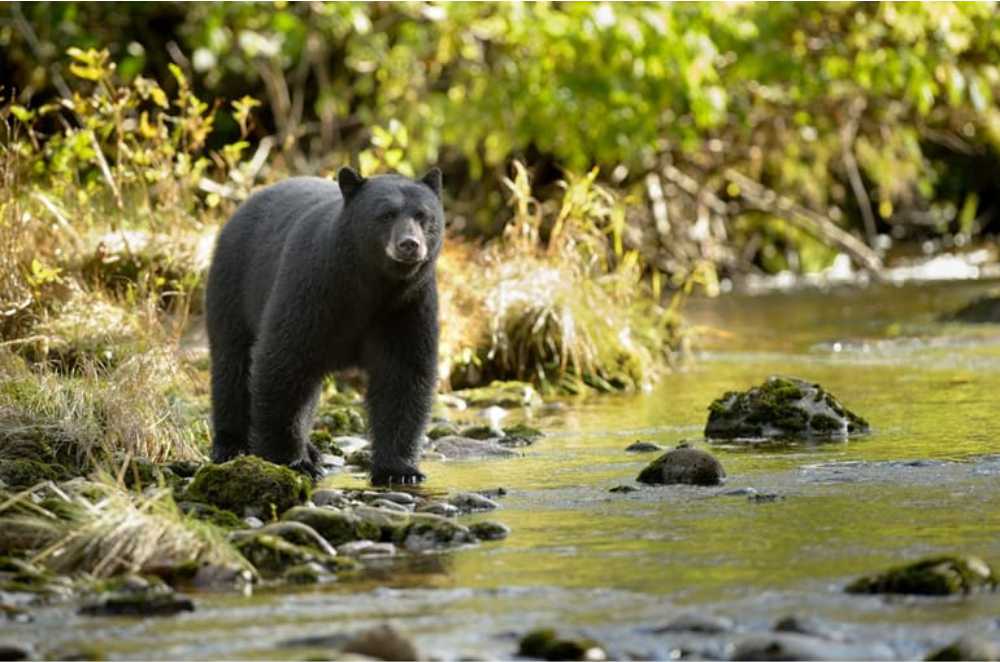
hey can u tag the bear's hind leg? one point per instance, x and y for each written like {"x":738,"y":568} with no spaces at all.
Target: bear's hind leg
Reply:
{"x":230,"y":401}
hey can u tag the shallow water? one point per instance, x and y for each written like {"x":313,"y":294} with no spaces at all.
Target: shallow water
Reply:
{"x":614,"y":566}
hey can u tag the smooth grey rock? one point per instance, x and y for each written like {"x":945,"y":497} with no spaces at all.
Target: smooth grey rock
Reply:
{"x":470,"y":502}
{"x":329,"y":498}
{"x":439,"y":508}
{"x":389,"y":505}
{"x":788,"y":646}
{"x":700,"y":623}
{"x":404,"y":498}
{"x":464,"y":448}
{"x":367,"y":548}
{"x":969,"y":647}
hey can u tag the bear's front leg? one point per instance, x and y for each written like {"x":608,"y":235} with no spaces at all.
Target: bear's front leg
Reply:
{"x":283,"y":393}
{"x":401,"y":360}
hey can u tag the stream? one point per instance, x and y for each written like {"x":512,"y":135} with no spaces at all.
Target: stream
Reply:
{"x":616,"y":566}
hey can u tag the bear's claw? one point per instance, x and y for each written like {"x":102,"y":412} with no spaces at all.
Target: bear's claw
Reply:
{"x":308,"y":467}
{"x":413,"y":477}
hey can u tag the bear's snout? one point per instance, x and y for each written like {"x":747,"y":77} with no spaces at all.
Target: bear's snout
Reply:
{"x":407,"y":243}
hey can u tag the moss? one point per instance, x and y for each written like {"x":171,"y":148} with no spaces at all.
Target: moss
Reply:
{"x":141,"y":473}
{"x":336,"y":526}
{"x":271,"y":554}
{"x":21,"y":474}
{"x":523,"y":431}
{"x":824,"y":423}
{"x":944,"y":575}
{"x":480,"y":432}
{"x":489,"y":530}
{"x":445,"y":429}
{"x":305,"y":573}
{"x":340,"y":421}
{"x":430,"y":532}
{"x":206,"y":512}
{"x":361,"y":458}
{"x":545,"y":644}
{"x":249,"y":482}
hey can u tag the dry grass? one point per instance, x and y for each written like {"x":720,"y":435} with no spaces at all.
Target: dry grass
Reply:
{"x":94,"y":527}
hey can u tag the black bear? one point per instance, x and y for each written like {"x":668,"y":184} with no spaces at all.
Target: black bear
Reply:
{"x":310,"y":277}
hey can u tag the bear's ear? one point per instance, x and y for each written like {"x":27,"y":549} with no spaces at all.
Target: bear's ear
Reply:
{"x":349,"y":181}
{"x":433,"y":180}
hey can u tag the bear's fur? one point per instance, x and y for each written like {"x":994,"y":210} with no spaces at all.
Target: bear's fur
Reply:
{"x":310,"y":277}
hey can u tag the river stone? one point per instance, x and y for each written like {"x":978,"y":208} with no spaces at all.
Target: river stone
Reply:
{"x":295,"y":532}
{"x":968,"y":647}
{"x":643,"y":447}
{"x":403,"y":498}
{"x":983,"y":310}
{"x":700,"y":623}
{"x":470,"y":502}
{"x":329,"y":498}
{"x":942,"y":575}
{"x":367,"y":548}
{"x":683,"y":465}
{"x":545,"y":644}
{"x":781,"y":408}
{"x":249,"y":485}
{"x":429,"y":532}
{"x":336,"y":526}
{"x":807,"y":626}
{"x":154,"y":601}
{"x":489,"y":530}
{"x":439,"y":508}
{"x":464,"y":448}
{"x":787,"y":646}
{"x":389,"y":505}
{"x":11,"y":651}
{"x":383,"y":642}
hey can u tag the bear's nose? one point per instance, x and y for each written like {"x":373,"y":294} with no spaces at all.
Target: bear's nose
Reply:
{"x":408,"y":247}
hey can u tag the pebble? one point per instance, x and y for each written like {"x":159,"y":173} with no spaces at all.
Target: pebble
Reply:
{"x":383,"y":642}
{"x":253,"y":522}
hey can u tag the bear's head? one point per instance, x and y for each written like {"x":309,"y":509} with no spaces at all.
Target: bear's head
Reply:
{"x":403,"y":220}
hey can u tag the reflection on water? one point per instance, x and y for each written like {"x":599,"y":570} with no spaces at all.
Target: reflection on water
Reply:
{"x":615,"y":564}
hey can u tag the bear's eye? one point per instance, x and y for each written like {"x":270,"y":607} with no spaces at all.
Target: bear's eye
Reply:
{"x":420,"y":217}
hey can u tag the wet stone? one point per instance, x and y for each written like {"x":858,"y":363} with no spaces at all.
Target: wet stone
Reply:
{"x":489,"y":530}
{"x":969,"y":647}
{"x":643,"y":447}
{"x":788,"y":646}
{"x":390,"y":505}
{"x":383,"y":642}
{"x":545,"y":644}
{"x":623,"y":489}
{"x":767,"y":497}
{"x":470,"y":502}
{"x":329,"y":498}
{"x":464,"y":448}
{"x":439,"y":508}
{"x":335,"y":526}
{"x":428,"y":533}
{"x":253,"y":522}
{"x":984,"y":310}
{"x":807,"y":626}
{"x":944,"y":575}
{"x":683,"y":465}
{"x":404,"y":498}
{"x":305,"y":573}
{"x":148,"y":602}
{"x":12,"y":651}
{"x":782,"y":408}
{"x":698,"y":623}
{"x":509,"y":395}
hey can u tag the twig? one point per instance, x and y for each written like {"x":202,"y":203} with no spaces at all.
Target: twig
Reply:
{"x":22,"y":341}
{"x":59,"y":216}
{"x":805,"y":219}
{"x":847,"y":135}
{"x":106,"y":170}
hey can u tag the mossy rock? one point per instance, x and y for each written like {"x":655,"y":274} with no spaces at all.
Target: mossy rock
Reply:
{"x":206,"y":512}
{"x":782,"y":408}
{"x":430,"y":532}
{"x":249,"y":484}
{"x":304,"y":574}
{"x":154,"y":601}
{"x":271,"y":555}
{"x":481,"y":432}
{"x":22,"y":474}
{"x":444,"y":429}
{"x":967,"y":648}
{"x":340,"y":421}
{"x":489,"y":530}
{"x":509,"y":395}
{"x":335,"y":526}
{"x":943,"y":575}
{"x":545,"y":644}
{"x":361,"y":458}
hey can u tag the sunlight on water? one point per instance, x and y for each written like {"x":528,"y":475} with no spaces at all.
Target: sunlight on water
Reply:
{"x":924,"y":482}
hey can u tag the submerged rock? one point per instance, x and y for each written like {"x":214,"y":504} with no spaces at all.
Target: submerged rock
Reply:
{"x":271,"y":555}
{"x":152,"y":601}
{"x":439,"y":508}
{"x":249,"y":485}
{"x":699,"y":623}
{"x":489,"y":530}
{"x":470,"y":502}
{"x":464,"y":448}
{"x":623,"y":489}
{"x":545,"y":644}
{"x":502,"y":394}
{"x":788,"y":646}
{"x":683,"y":465}
{"x":11,"y":651}
{"x":968,"y":647}
{"x":643,"y":447}
{"x":443,"y":429}
{"x":782,"y":407}
{"x":383,"y":642}
{"x":983,"y":310}
{"x":943,"y":575}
